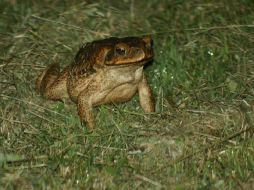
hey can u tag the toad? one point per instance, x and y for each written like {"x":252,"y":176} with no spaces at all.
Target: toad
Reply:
{"x":103,"y":71}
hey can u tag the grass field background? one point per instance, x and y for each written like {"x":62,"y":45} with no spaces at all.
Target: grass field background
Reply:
{"x":202,"y":76}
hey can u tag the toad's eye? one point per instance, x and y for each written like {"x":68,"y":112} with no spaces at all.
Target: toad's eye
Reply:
{"x":120,"y":51}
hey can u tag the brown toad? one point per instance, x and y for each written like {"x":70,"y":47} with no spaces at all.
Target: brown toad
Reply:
{"x":103,"y":71}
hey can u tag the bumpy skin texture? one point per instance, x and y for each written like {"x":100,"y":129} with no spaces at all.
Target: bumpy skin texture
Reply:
{"x":103,"y":71}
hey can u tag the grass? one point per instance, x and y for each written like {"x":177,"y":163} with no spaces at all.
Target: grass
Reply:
{"x":201,"y":136}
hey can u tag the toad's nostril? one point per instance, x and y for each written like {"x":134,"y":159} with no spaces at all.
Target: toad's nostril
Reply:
{"x":136,"y":51}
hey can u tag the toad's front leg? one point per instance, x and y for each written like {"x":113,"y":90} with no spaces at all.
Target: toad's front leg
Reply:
{"x":145,"y":96}
{"x":85,"y":108}
{"x":87,"y":99}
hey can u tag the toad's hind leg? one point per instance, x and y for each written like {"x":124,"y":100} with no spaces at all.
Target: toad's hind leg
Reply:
{"x":51,"y":83}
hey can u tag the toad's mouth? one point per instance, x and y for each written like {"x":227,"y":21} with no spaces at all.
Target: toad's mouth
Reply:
{"x":126,"y":64}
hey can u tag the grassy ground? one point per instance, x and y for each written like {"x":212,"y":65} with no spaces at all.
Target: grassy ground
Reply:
{"x":201,"y":136}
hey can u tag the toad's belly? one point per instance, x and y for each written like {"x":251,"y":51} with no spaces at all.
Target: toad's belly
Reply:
{"x":119,"y":94}
{"x":120,"y":85}
{"x":107,"y":86}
